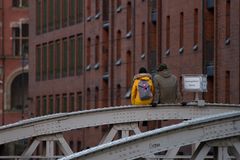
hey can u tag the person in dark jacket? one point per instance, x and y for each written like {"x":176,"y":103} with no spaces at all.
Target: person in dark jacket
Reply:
{"x":166,"y":86}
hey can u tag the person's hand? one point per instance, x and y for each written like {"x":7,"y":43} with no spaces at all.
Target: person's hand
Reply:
{"x":154,"y":104}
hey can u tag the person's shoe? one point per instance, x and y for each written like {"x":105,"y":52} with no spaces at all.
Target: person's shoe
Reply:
{"x":154,"y":104}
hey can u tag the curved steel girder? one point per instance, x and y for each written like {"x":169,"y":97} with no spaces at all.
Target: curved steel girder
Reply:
{"x":189,"y":132}
{"x":62,"y":122}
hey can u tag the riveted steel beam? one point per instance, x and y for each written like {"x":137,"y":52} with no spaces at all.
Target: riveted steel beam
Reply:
{"x":58,"y":123}
{"x":200,"y":130}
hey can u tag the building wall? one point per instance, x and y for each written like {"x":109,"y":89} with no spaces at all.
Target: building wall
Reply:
{"x":185,"y":35}
{"x":10,"y":16}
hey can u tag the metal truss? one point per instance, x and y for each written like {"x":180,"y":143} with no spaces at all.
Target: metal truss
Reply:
{"x":221,"y":131}
{"x":50,"y":128}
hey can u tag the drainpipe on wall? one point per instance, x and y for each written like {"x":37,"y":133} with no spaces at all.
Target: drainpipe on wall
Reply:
{"x":215,"y":95}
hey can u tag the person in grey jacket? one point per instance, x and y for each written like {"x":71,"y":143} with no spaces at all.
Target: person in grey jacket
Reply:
{"x":166,"y":86}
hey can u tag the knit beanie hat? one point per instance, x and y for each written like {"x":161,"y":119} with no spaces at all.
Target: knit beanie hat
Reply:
{"x":142,"y":70}
{"x":162,"y":67}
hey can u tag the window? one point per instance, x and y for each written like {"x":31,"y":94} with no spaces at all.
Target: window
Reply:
{"x":38,"y":63}
{"x":38,"y":106}
{"x":181,"y":30}
{"x":65,"y":58}
{"x":20,"y":39}
{"x":129,"y":17}
{"x":79,"y":54}
{"x":72,"y":56}
{"x":44,"y":62}
{"x":105,"y":47}
{"x":64,"y":103}
{"x":143,"y":39}
{"x":20,"y":3}
{"x":168,"y":33}
{"x":129,"y":70}
{"x":38,"y":16}
{"x":71,"y":102}
{"x":51,"y":61}
{"x":57,"y":59}
{"x":97,"y":7}
{"x":57,"y":104}
{"x":72,"y":12}
{"x":79,"y":10}
{"x":50,"y":104}
{"x":105,"y":10}
{"x":119,"y":45}
{"x":88,"y":8}
{"x":79,"y":101}
{"x":227,"y":87}
{"x":118,"y":95}
{"x":195,"y":33}
{"x":97,"y":50}
{"x":44,"y":107}
{"x":57,"y":14}
{"x":119,"y":3}
{"x":88,"y":51}
{"x":88,"y":99}
{"x":96,"y":105}
{"x":227,"y":40}
{"x":64,"y":13}
{"x":50,"y":15}
{"x":44,"y":18}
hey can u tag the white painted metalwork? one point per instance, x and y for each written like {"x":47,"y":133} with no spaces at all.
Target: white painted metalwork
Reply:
{"x":209,"y":131}
{"x":58,"y":123}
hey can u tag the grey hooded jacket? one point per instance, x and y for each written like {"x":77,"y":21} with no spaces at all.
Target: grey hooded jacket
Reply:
{"x":166,"y":88}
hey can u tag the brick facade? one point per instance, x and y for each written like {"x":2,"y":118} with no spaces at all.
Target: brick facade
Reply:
{"x":119,"y":38}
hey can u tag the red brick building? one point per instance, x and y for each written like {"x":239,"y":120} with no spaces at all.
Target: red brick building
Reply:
{"x":14,"y":20}
{"x":84,"y":53}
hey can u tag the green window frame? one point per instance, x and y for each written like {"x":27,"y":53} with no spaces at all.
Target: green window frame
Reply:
{"x":79,"y":101}
{"x":44,"y":62}
{"x":44,"y":105}
{"x":64,"y":13}
{"x":51,"y":15}
{"x":58,"y":104}
{"x":72,"y":56}
{"x":72,"y":12}
{"x":38,"y":106}
{"x":38,"y":63}
{"x":51,"y":61}
{"x":72,"y":102}
{"x":64,"y":103}
{"x":44,"y":12}
{"x":79,"y":54}
{"x":50,"y":103}
{"x":79,"y":11}
{"x":57,"y":59}
{"x":65,"y":58}
{"x":38,"y":16}
{"x":57,"y":14}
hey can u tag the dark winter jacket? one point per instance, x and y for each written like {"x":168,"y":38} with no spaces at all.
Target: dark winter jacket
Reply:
{"x":166,"y":88}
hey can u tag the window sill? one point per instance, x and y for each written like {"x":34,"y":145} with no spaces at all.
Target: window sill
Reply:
{"x":195,"y":47}
{"x":118,"y":62}
{"x":97,"y":15}
{"x":88,"y":68}
{"x":96,"y":66}
{"x":167,"y":52}
{"x":129,"y":34}
{"x":119,"y":9}
{"x":181,"y":50}
{"x":227,"y":41}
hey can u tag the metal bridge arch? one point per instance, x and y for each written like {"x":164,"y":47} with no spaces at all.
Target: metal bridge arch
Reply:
{"x":50,"y":127}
